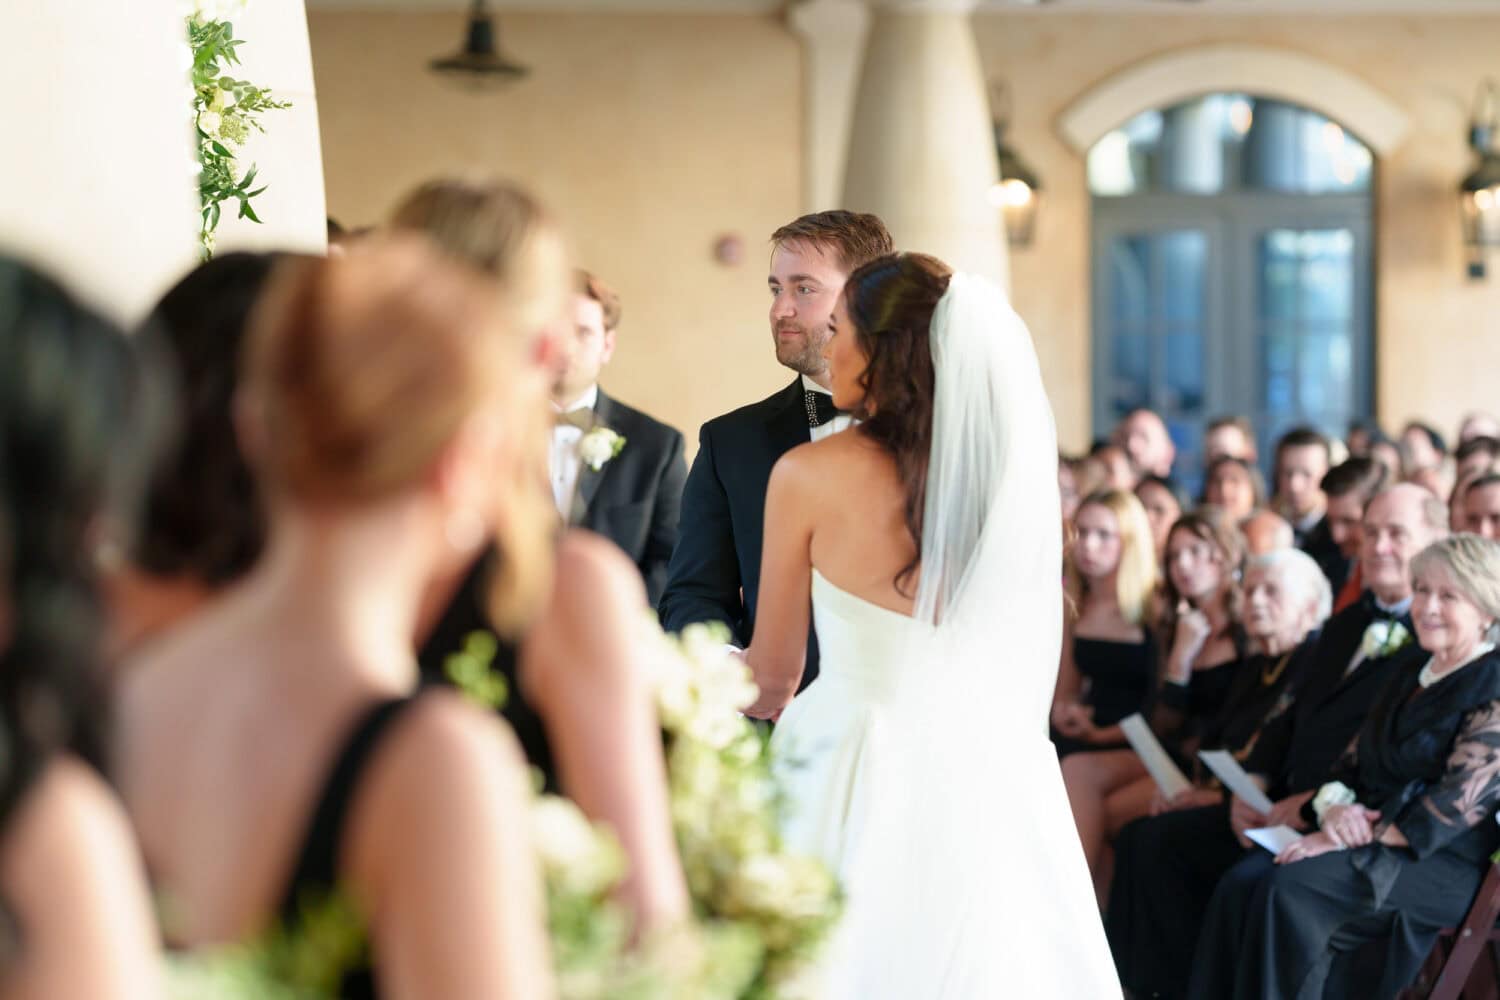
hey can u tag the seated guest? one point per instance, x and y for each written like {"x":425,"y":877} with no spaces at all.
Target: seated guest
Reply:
{"x":202,"y":527}
{"x":1229,"y":437}
{"x":1204,"y":645}
{"x":387,"y":413}
{"x":1360,"y":438}
{"x":1144,"y":438}
{"x":578,"y":694}
{"x":1164,"y":504}
{"x":1067,"y":488}
{"x":1302,"y":460}
{"x":1119,"y":472}
{"x":1387,"y":453}
{"x":1406,"y":819}
{"x":1168,"y":876}
{"x":1476,"y":455}
{"x":1234,"y":486}
{"x":1266,"y":531}
{"x":1108,"y":657}
{"x":632,"y":499}
{"x":1478,"y":424}
{"x":1347,"y":488}
{"x":1422,"y":447}
{"x":1481,"y":504}
{"x":77,"y":914}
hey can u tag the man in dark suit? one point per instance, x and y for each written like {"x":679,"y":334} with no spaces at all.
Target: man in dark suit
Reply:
{"x":715,"y":572}
{"x":615,"y":470}
{"x":1167,"y":867}
{"x":1302,"y":460}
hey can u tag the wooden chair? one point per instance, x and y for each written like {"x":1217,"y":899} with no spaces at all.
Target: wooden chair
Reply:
{"x":1454,"y":969}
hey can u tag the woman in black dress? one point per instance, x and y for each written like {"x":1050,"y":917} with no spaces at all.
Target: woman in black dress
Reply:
{"x":1109,"y":659}
{"x":271,"y":750}
{"x":75,"y":915}
{"x":1407,"y":823}
{"x":579,"y":699}
{"x":1205,"y":646}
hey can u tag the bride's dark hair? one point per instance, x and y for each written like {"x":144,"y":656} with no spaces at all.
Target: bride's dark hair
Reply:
{"x":890,"y":301}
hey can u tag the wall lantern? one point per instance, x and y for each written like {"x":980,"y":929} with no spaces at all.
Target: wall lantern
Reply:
{"x":1479,"y":193}
{"x":1018,"y":193}
{"x":478,"y":63}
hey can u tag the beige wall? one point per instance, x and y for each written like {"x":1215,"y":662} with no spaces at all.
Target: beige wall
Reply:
{"x":1438,"y":335}
{"x":654,"y":134}
{"x":651,"y":135}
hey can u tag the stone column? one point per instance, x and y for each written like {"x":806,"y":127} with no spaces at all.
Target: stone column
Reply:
{"x":96,"y":161}
{"x":921,"y":146}
{"x":833,"y":44}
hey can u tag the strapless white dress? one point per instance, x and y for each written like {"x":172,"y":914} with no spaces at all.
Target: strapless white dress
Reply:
{"x":943,"y":812}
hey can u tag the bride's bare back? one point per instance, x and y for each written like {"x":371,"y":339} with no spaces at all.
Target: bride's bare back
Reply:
{"x":837,"y":506}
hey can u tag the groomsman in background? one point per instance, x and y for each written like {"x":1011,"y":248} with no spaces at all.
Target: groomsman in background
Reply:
{"x":715,"y":573}
{"x":615,"y":470}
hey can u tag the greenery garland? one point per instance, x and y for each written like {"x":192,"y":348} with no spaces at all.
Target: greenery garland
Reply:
{"x":225,"y":110}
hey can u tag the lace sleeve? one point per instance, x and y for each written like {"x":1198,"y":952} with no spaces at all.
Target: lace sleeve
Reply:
{"x":1469,"y":789}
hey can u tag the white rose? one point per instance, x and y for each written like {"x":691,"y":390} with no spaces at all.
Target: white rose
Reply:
{"x":598,"y":446}
{"x":209,"y":121}
{"x":574,"y":854}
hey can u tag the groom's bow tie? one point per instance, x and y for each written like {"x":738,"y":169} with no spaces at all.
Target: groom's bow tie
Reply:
{"x":820,"y":408}
{"x":582,"y":418}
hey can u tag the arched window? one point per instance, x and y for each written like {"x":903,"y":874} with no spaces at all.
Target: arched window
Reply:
{"x":1231,"y":270}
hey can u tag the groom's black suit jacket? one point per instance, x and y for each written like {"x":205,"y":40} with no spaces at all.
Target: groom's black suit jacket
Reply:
{"x":715,"y":571}
{"x":634,"y":499}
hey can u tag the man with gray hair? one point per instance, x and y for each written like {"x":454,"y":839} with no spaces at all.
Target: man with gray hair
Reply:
{"x":1174,"y":873}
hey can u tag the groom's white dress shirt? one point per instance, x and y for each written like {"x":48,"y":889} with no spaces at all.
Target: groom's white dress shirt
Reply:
{"x":564,"y":464}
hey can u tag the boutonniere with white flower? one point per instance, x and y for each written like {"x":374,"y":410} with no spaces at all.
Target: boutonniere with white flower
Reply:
{"x":598,"y":446}
{"x":1383,"y":638}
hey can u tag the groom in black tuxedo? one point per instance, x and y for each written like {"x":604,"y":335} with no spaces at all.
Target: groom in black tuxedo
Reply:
{"x":715,"y":571}
{"x":615,"y":470}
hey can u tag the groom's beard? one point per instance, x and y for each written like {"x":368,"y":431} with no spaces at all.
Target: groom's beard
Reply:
{"x":798,"y":350}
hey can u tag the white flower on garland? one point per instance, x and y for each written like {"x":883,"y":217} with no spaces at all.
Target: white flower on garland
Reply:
{"x":212,"y":10}
{"x":209,"y":121}
{"x":1383,"y":638}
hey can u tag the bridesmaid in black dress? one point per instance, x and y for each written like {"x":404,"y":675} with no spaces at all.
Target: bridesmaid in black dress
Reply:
{"x":1407,"y":820}
{"x":1109,"y":658}
{"x":272,"y":751}
{"x":579,"y":693}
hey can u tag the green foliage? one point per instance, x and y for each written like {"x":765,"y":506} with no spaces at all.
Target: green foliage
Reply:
{"x":471,"y":671}
{"x":225,"y":110}
{"x":308,"y":964}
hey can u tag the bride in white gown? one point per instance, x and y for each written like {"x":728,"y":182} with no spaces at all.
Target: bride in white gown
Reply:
{"x":926,"y":544}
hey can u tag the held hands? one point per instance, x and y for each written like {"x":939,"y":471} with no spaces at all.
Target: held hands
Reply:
{"x":1351,"y":825}
{"x":1309,"y":846}
{"x":1286,"y":812}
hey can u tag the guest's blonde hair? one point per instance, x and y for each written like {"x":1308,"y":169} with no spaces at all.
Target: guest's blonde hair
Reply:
{"x":500,"y":230}
{"x":1137,"y":576}
{"x":1474,"y":565}
{"x":362,"y":368}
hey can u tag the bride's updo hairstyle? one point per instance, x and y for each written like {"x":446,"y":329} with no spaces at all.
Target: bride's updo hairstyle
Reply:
{"x":362,"y":368}
{"x":890,"y":302}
